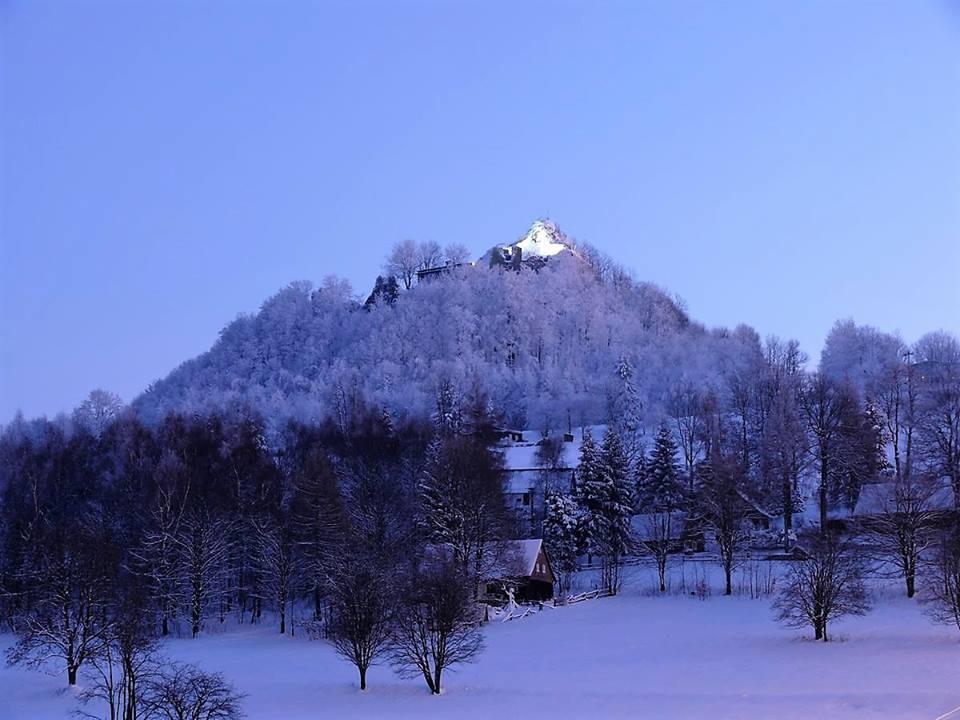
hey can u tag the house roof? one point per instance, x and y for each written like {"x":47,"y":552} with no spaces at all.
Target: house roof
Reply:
{"x":642,"y":525}
{"x":527,"y":552}
{"x":877,"y":498}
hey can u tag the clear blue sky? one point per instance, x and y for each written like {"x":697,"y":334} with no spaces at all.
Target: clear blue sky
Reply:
{"x":167,"y":165}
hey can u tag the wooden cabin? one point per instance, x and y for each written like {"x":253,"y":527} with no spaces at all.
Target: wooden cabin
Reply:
{"x":526,"y":569}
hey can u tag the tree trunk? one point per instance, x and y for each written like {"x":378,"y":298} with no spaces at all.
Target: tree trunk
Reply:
{"x":363,"y":678}
{"x":911,"y":583}
{"x":71,"y":675}
{"x":787,"y":512}
{"x":824,"y":471}
{"x":728,"y":573}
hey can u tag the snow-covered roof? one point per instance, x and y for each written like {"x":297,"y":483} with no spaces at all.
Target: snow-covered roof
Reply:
{"x":519,"y":482}
{"x":643,"y":524}
{"x":543,"y":239}
{"x":877,"y":498}
{"x":526,"y":553}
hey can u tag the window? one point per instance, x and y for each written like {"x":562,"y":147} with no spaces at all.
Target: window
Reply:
{"x":526,"y":498}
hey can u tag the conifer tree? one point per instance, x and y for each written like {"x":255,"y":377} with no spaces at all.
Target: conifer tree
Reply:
{"x":561,"y":536}
{"x":660,"y":487}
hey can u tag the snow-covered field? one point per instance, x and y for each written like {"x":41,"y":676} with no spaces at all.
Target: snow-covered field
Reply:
{"x":635,"y":655}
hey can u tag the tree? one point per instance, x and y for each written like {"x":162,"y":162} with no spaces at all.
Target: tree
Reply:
{"x":428,"y":255}
{"x":66,"y":618}
{"x":403,"y":262}
{"x":902,"y":528}
{"x":824,"y":407}
{"x":127,"y":658}
{"x":724,"y":510}
{"x":97,"y":411}
{"x":436,"y":624}
{"x":660,"y":486}
{"x":941,"y":591}
{"x":276,"y":563}
{"x":184,"y":692}
{"x":462,"y":501}
{"x":561,"y":536}
{"x":661,"y":495}
{"x":359,"y":629}
{"x":456,"y":253}
{"x":605,"y":493}
{"x":824,"y":586}
{"x":203,"y":546}
{"x":686,"y":406}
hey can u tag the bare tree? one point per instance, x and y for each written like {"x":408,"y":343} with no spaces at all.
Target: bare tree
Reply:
{"x":124,"y":664}
{"x":686,"y":411}
{"x":901,"y":528}
{"x":436,"y":625}
{"x":184,"y":692}
{"x":824,"y":406}
{"x":204,"y":549}
{"x":403,"y":262}
{"x":941,"y":589}
{"x":66,"y":618}
{"x":428,"y":255}
{"x":724,"y":510}
{"x":456,"y":253}
{"x":824,"y":586}
{"x":276,"y":565}
{"x":361,"y":613}
{"x":660,"y":535}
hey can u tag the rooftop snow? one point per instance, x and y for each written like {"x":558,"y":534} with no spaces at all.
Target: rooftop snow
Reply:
{"x":542,"y":239}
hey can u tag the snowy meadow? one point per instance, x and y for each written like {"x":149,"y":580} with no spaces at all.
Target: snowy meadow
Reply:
{"x":681,"y":655}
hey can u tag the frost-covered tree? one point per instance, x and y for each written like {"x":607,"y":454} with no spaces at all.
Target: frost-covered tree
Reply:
{"x":97,"y":411}
{"x":561,"y":536}
{"x":403,"y":262}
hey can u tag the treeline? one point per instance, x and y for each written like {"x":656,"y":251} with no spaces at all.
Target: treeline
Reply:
{"x":115,"y":538}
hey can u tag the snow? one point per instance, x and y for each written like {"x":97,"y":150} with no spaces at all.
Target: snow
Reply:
{"x":527,"y":553}
{"x":542,"y":239}
{"x":876,"y":498}
{"x":635,"y":655}
{"x":523,"y":455}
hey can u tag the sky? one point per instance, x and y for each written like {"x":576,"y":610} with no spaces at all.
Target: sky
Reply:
{"x":165,"y":166}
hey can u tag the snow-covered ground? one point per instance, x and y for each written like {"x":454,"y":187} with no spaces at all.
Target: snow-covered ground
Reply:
{"x":636,"y":655}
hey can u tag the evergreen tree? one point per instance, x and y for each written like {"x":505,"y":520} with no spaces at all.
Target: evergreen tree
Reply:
{"x":561,"y":536}
{"x":605,"y":496}
{"x":660,"y":487}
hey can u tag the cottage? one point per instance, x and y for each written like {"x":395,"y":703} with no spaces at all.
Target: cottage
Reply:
{"x":525,"y":567}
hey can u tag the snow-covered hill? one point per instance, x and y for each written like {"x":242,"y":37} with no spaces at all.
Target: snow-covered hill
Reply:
{"x":538,"y":341}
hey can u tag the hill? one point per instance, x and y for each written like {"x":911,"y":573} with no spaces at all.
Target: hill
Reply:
{"x":539,"y":333}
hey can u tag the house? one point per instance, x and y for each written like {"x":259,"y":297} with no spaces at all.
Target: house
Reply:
{"x":430,"y":273}
{"x":525,"y":568}
{"x":677,"y":529}
{"x":876,"y":499}
{"x":529,"y":477}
